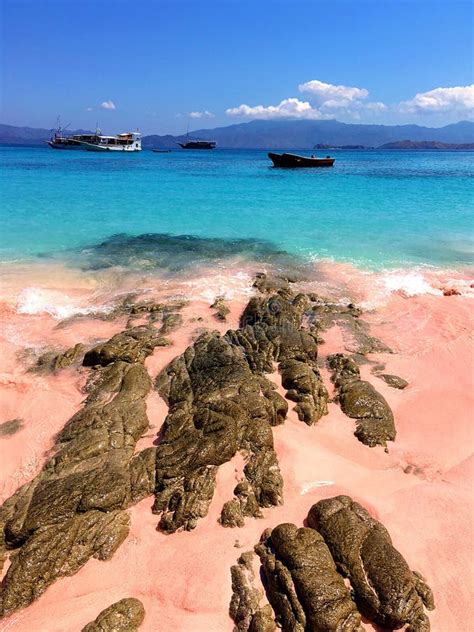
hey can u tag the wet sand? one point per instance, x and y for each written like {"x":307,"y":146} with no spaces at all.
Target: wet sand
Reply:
{"x":421,"y":489}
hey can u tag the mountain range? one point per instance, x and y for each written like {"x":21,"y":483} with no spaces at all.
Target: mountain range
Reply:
{"x":281,"y":134}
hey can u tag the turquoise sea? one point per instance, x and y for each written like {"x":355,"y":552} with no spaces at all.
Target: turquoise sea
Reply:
{"x":374,"y":209}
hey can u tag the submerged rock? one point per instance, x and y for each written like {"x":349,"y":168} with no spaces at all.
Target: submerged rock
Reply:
{"x":304,"y":588}
{"x":125,"y":615}
{"x":386,"y":590}
{"x":361,"y":401}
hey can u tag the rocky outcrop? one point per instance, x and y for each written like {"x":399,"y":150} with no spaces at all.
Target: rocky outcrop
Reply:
{"x":131,"y":345}
{"x":217,"y":407}
{"x":359,"y":400}
{"x":393,"y":380}
{"x":245,"y":609}
{"x":10,"y":427}
{"x":125,"y":615}
{"x":357,"y":338}
{"x":221,"y":309}
{"x":271,"y":331}
{"x":386,"y":590}
{"x":74,"y":509}
{"x":304,"y":588}
{"x":220,"y":403}
{"x":51,"y":361}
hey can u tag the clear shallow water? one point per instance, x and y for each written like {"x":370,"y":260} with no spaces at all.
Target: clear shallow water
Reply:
{"x":374,"y":209}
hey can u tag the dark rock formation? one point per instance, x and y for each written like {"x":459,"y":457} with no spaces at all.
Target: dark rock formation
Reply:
{"x":393,"y":380}
{"x":244,"y":505}
{"x":220,"y":403}
{"x":356,"y":331}
{"x":360,"y":401}
{"x":386,"y":590}
{"x":221,"y":310}
{"x":125,"y":615}
{"x":131,"y":345}
{"x":245,"y":608}
{"x":10,"y":427}
{"x":217,"y":407}
{"x":268,"y":284}
{"x":303,"y":585}
{"x":52,"y":361}
{"x":74,"y":509}
{"x":271,"y":331}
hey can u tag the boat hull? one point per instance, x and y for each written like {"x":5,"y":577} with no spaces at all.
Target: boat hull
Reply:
{"x":64,"y":145}
{"x":198,"y":145}
{"x":102,"y":148}
{"x":293,"y":161}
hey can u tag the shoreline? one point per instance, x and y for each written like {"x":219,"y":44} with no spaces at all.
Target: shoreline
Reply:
{"x":424,"y":479}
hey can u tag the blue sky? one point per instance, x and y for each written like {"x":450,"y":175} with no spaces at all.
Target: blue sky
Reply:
{"x":163,"y":64}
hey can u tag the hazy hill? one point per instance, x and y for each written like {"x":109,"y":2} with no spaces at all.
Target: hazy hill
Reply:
{"x":307,"y":134}
{"x":283,"y":134}
{"x":10,"y":134}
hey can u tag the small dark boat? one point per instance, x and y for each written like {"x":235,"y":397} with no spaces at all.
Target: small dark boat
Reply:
{"x":161,"y":151}
{"x":291,"y":161}
{"x":198,"y":144}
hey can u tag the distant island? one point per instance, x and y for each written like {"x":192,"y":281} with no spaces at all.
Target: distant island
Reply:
{"x":426,"y":144}
{"x":290,"y":134}
{"x":319,"y":146}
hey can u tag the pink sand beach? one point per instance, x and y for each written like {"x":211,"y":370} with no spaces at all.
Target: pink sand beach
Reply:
{"x":421,"y":489}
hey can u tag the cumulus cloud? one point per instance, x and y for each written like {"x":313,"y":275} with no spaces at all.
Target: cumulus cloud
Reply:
{"x":325,"y":100}
{"x":200,"y":115}
{"x":328,"y":92}
{"x":288,"y":108}
{"x":457,"y":99}
{"x":376,"y":106}
{"x":108,"y":105}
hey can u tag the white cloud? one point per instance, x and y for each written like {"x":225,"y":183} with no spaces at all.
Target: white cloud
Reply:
{"x":288,"y":108}
{"x":376,"y":106}
{"x":457,"y":99}
{"x":198,"y":115}
{"x":328,"y":92}
{"x":108,"y":105}
{"x":348,"y":100}
{"x":325,"y":100}
{"x":89,"y":109}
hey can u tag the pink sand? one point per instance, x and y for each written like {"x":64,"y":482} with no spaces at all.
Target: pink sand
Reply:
{"x":184,"y":579}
